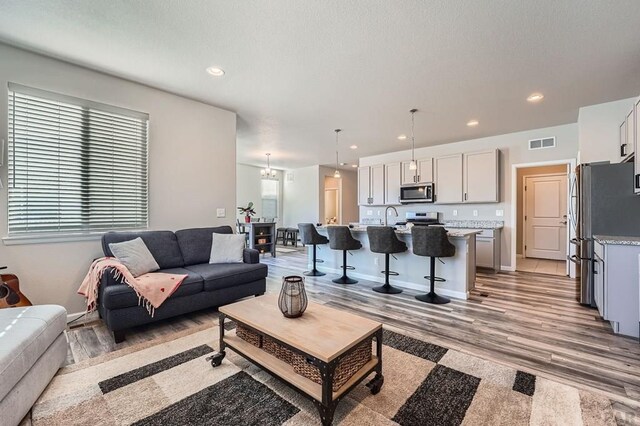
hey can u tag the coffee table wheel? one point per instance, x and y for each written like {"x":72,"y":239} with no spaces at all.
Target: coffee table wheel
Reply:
{"x":216,"y":359}
{"x":376,"y":384}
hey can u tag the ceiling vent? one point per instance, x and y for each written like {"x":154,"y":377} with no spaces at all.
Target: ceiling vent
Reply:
{"x":542,"y":143}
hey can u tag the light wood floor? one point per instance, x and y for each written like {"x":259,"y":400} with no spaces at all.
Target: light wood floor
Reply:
{"x":527,"y":321}
{"x":542,"y":266}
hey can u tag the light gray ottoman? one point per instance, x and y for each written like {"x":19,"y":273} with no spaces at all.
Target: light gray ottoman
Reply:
{"x":33,"y":346}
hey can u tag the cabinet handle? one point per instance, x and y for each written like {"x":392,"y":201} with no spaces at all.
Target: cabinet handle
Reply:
{"x":623,"y":150}
{"x":465,"y":196}
{"x":418,"y":178}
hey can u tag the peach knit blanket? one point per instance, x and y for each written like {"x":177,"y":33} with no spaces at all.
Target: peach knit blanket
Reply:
{"x":152,"y":289}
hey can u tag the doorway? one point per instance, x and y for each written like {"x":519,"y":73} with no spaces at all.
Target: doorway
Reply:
{"x":542,"y":228}
{"x":332,"y":204}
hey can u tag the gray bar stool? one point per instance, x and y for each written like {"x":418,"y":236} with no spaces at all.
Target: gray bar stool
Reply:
{"x":432,"y":241}
{"x":309,"y":236}
{"x":340,"y":238}
{"x":383,"y":239}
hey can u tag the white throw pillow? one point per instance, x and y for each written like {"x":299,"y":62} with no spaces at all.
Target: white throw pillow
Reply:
{"x":135,"y":255}
{"x":227,"y":248}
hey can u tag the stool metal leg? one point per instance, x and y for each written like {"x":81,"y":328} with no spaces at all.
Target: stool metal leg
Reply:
{"x":432,"y":297}
{"x":344,"y":279}
{"x":387,"y":288}
{"x":314,"y":272}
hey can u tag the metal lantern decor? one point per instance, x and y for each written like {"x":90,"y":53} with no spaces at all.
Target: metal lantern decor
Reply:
{"x":293,"y":298}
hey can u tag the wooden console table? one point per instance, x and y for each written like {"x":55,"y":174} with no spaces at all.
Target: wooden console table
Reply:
{"x":262,"y":236}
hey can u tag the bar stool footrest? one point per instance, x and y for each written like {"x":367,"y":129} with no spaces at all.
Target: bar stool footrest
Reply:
{"x":436,"y":279}
{"x":392,"y":273}
{"x":349,"y":268}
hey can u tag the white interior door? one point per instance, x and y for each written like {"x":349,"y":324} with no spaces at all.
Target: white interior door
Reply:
{"x":546,"y":217}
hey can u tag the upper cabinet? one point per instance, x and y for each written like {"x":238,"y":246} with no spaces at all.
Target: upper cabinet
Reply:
{"x":392,"y":178}
{"x":627,"y":135}
{"x":371,"y":185}
{"x":448,"y":181}
{"x":423,"y":173}
{"x":467,"y":178}
{"x":636,"y":127}
{"x":481,"y":177}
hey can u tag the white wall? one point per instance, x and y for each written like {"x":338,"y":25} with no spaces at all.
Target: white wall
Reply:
{"x":249,"y":188}
{"x":301,"y":194}
{"x":599,"y":130}
{"x":514,"y":150}
{"x":192,"y":152}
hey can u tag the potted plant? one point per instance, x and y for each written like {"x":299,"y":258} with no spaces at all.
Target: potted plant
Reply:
{"x":247,"y":211}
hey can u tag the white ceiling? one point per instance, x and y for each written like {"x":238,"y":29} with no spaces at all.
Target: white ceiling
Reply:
{"x":296,"y":70}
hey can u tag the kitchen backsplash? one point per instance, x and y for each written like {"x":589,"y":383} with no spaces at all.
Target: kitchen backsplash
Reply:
{"x":465,"y":212}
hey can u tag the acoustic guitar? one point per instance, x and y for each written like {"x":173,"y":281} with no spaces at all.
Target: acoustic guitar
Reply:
{"x":10,"y":295}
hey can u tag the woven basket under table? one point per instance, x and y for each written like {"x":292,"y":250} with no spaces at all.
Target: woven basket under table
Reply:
{"x":249,"y":336}
{"x":272,"y":347}
{"x":347,"y":367}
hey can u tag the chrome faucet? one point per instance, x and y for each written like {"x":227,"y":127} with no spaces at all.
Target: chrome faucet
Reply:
{"x":386,"y":212}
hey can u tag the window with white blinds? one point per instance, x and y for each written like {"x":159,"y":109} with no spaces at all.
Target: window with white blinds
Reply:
{"x":74,"y":165}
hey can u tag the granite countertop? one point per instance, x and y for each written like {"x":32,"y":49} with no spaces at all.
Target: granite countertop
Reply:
{"x":474,"y":224}
{"x":624,"y":241}
{"x":460,"y":233}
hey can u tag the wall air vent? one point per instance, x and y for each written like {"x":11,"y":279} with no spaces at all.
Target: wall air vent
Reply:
{"x":542,"y":143}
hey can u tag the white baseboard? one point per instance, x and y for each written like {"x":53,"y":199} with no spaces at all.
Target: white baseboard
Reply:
{"x":400,"y":283}
{"x":74,"y":316}
{"x":507,"y":268}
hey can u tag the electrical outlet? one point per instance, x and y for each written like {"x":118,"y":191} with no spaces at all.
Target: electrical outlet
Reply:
{"x":375,"y":261}
{"x":369,"y":212}
{"x":475,"y":213}
{"x":379,"y":213}
{"x":221,"y":212}
{"x":500,"y":213}
{"x":455,"y":212}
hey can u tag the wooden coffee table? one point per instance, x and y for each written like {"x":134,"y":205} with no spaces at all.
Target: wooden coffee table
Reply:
{"x":323,"y":335}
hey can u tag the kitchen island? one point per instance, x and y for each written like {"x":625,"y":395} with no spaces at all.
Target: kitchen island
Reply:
{"x":459,"y":270}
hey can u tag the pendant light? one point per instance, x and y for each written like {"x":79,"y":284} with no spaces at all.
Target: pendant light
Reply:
{"x":336,"y":174}
{"x":413,"y":165}
{"x":268,"y":172}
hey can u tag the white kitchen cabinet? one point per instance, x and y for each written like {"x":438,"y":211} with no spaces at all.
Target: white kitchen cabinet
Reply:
{"x":423,"y":173}
{"x":623,"y":139}
{"x":448,"y":179}
{"x":481,"y":177}
{"x":616,"y":290}
{"x":371,"y":185}
{"x":488,"y":249}
{"x":636,"y":146}
{"x":630,"y":135}
{"x":392,"y":178}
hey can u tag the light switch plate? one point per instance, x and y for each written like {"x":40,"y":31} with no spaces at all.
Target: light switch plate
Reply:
{"x":455,"y":212}
{"x":221,"y":212}
{"x":499,"y":213}
{"x":475,"y":213}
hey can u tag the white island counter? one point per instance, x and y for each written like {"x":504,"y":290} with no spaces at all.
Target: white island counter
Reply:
{"x":459,"y":270}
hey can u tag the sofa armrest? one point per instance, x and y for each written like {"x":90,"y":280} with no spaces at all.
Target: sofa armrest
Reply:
{"x":108,"y":278}
{"x":251,"y":256}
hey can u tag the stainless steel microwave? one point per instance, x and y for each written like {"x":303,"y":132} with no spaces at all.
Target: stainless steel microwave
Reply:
{"x":422,"y":193}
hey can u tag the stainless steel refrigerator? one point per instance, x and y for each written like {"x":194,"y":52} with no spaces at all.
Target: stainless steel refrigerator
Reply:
{"x":606,"y":205}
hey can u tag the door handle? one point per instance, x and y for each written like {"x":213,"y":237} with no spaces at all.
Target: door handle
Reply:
{"x":563,"y":222}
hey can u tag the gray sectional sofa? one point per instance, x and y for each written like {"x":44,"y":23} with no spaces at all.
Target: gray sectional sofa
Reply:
{"x":184,"y":252}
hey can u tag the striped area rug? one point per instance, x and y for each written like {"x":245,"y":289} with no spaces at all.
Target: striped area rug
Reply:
{"x":168,"y":382}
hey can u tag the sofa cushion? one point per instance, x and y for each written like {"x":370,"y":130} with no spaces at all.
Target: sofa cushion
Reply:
{"x":223,"y":275}
{"x":163,"y":245}
{"x":135,"y":255}
{"x":117,"y":296}
{"x":25,"y":334}
{"x":195,"y":243}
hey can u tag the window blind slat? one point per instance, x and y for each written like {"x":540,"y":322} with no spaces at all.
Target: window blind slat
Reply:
{"x":74,"y":165}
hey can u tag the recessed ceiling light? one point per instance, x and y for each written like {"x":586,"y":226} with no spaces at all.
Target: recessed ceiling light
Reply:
{"x":354,"y":147}
{"x":354,"y":165}
{"x":535,"y":97}
{"x":472,"y":123}
{"x":402,"y":137}
{"x":215,"y":71}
